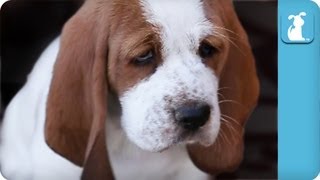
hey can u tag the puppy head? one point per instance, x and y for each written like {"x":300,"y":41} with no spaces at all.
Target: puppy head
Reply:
{"x":166,"y":73}
{"x":184,"y":73}
{"x":172,"y":64}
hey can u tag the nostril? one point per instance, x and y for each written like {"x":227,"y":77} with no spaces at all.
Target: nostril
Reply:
{"x":192,"y":117}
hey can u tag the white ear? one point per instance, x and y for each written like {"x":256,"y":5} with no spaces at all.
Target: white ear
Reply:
{"x":302,"y":14}
{"x":290,"y":17}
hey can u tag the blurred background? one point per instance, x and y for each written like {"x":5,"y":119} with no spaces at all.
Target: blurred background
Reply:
{"x":28,"y":26}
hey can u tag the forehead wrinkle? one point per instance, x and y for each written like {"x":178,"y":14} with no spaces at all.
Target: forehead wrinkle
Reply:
{"x":136,"y":42}
{"x":182,"y":23}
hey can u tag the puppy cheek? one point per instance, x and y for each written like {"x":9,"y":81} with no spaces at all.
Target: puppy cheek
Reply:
{"x":131,"y":118}
{"x":209,"y":133}
{"x":145,"y":123}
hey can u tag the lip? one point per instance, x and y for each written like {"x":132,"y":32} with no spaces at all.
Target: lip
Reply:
{"x":183,"y":138}
{"x":162,"y":150}
{"x":186,"y":137}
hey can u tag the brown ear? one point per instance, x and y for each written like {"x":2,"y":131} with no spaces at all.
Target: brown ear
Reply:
{"x":76,"y":106}
{"x":239,"y":89}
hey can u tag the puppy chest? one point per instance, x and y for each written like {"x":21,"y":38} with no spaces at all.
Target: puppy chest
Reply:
{"x":130,"y":162}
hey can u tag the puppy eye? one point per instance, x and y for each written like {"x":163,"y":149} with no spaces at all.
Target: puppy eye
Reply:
{"x":206,"y":50}
{"x":145,"y":58}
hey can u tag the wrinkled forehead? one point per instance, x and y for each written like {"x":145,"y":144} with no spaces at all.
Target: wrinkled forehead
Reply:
{"x":172,"y":29}
{"x":181,"y":23}
{"x":178,"y":23}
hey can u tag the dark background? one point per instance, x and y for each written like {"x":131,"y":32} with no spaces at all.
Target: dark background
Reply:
{"x":27,"y":27}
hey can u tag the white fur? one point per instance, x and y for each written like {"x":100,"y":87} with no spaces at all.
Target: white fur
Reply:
{"x":131,"y":162}
{"x":147,"y":116}
{"x":146,"y":120}
{"x":24,"y":154}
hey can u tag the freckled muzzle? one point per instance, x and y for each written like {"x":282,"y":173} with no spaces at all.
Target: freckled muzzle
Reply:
{"x":176,"y":104}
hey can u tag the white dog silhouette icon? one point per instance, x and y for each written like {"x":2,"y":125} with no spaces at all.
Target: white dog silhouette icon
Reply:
{"x":295,"y":30}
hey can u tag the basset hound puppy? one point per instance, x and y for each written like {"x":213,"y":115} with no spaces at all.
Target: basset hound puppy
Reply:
{"x":146,"y":89}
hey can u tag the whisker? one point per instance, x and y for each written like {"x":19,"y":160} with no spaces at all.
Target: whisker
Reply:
{"x":229,"y":39}
{"x":225,"y":138}
{"x":222,"y":95}
{"x":229,"y":125}
{"x":229,"y":101}
{"x":230,"y":118}
{"x":222,"y":88}
{"x":218,"y":141}
{"x":228,"y":30}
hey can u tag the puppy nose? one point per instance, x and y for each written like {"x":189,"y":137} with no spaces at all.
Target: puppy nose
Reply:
{"x":192,"y":117}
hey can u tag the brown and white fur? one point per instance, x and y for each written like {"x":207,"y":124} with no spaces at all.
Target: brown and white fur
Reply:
{"x":58,"y":126}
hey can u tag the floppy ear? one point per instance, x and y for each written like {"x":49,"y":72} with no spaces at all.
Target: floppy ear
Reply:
{"x":303,"y":14}
{"x":76,"y":106}
{"x":290,"y":17}
{"x":239,"y":93}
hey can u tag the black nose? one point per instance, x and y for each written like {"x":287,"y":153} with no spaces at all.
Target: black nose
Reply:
{"x":192,"y":117}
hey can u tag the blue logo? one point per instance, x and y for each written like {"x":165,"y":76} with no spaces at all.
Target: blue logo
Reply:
{"x":297,"y":27}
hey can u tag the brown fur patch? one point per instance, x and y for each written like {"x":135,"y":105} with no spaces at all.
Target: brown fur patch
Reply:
{"x":238,"y":83}
{"x":97,"y":47}
{"x":132,"y":36}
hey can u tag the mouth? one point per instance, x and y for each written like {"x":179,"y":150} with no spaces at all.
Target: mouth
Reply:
{"x":160,"y":126}
{"x":173,"y":134}
{"x":187,"y":137}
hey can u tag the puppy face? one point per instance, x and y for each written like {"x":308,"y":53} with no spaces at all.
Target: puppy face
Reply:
{"x":165,"y":58}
